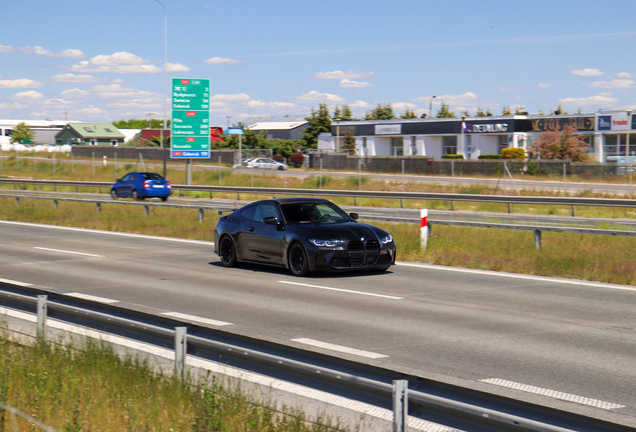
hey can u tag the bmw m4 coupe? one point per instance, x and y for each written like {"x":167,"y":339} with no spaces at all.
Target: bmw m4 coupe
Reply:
{"x":303,"y":235}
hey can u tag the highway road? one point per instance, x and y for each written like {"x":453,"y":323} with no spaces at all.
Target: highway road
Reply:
{"x":563,"y":343}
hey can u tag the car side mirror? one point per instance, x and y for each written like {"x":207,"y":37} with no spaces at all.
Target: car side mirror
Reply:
{"x":270,"y":220}
{"x":354,"y":216}
{"x":118,"y":180}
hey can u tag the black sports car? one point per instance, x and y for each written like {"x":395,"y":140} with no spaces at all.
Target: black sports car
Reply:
{"x":302,"y":234}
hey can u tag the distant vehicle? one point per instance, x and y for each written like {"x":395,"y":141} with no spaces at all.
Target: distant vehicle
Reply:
{"x":303,"y":235}
{"x":141,"y":185}
{"x":265,"y":163}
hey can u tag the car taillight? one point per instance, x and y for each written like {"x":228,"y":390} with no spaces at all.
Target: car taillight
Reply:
{"x":169,"y":186}
{"x":147,"y":184}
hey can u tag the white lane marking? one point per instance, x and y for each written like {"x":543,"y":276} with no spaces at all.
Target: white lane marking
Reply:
{"x":68,"y":252}
{"x":231,"y":372}
{"x":340,"y":348}
{"x":92,"y":298}
{"x":342,"y":290}
{"x":196,"y":318}
{"x":115,"y":233}
{"x":553,"y":394}
{"x":520,"y":276}
{"x":12,"y":282}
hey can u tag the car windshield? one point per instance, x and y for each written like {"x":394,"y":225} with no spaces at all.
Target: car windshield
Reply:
{"x":151,"y":176}
{"x":308,"y":212}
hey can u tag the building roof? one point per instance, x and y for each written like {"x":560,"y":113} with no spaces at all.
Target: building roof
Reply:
{"x":95,"y":130}
{"x":269,"y":126}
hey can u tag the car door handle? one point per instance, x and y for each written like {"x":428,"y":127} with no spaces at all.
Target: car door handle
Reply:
{"x":251,"y":229}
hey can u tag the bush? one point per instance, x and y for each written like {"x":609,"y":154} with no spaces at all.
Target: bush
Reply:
{"x":513,"y":153}
{"x":453,"y":156}
{"x":278,"y":158}
{"x":490,"y":156}
{"x":297,"y":160}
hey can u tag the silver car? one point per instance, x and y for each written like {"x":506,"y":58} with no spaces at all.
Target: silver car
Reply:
{"x":265,"y":163}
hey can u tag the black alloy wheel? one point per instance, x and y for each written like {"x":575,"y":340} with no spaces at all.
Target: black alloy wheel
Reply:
{"x":227,"y":252}
{"x":298,"y":263}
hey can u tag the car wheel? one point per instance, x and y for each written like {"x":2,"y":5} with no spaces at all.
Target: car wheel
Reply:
{"x":113,"y":194}
{"x":297,"y":260}
{"x":280,"y":168}
{"x":227,"y":252}
{"x":164,"y":199}
{"x":135,"y":195}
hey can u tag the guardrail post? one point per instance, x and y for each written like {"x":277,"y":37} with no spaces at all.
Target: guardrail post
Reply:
{"x":180,"y":348}
{"x":509,"y":208}
{"x":17,"y":201}
{"x":400,"y":405}
{"x":537,"y":239}
{"x":41,"y":309}
{"x":55,"y":204}
{"x":573,"y":211}
{"x":200,"y":215}
{"x":99,"y":207}
{"x":146,"y":210}
{"x":423,"y":228}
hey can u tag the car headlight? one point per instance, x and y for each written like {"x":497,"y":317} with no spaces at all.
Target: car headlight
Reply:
{"x":387,"y":239}
{"x":326,"y":243}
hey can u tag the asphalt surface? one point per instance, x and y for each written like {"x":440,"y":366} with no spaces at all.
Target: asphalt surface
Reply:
{"x":484,"y":330}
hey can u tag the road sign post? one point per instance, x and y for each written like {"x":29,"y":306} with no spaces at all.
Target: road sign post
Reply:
{"x":190,"y":135}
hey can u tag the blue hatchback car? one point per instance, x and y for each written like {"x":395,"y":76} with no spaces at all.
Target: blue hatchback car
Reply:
{"x":141,"y":185}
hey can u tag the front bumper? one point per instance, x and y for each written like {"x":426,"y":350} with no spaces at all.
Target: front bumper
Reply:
{"x":357,"y":256}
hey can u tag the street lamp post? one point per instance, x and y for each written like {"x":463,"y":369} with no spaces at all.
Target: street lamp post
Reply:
{"x":337,"y":134}
{"x":165,"y":84}
{"x":228,"y":121}
{"x":628,"y":165}
{"x":430,"y":107}
{"x":240,"y":161}
{"x":462,"y":148}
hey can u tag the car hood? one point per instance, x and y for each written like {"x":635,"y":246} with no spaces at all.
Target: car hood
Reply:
{"x":340,"y":231}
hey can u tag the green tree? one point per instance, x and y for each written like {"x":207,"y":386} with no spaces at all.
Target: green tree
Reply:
{"x":444,"y":111}
{"x":563,"y":143}
{"x":381,"y":112}
{"x":139,"y":124}
{"x":346,"y":113}
{"x":520,"y":110}
{"x":506,"y":110}
{"x":21,"y":133}
{"x":336,"y":113}
{"x":480,"y":112}
{"x":349,"y":143}
{"x":409,"y":114}
{"x":319,"y":122}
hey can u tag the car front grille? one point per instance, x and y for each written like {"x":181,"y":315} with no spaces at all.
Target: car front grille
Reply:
{"x":360,"y":253}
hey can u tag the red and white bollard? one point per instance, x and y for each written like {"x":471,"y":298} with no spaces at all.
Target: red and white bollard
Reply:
{"x":105,"y":161}
{"x":423,"y":228}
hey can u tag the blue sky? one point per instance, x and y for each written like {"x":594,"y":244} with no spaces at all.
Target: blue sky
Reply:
{"x":101,"y":61}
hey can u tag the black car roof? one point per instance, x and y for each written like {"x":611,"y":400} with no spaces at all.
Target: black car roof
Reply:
{"x":297,"y":200}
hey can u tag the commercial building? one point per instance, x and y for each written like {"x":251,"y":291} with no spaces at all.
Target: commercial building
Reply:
{"x":45,"y":130}
{"x":605,"y":132}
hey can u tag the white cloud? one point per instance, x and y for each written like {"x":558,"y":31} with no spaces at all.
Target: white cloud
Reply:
{"x":6,"y":48}
{"x":544,"y":85}
{"x":177,"y":67}
{"x":20,"y":83}
{"x":69,"y":53}
{"x":75,"y":94}
{"x":242,"y":97}
{"x":587,"y":72}
{"x":403,"y":106}
{"x":314,"y":96}
{"x":626,"y":75}
{"x":360,"y":104}
{"x":354,"y":84}
{"x":72,"y":78}
{"x":261,"y":104}
{"x":614,"y":84}
{"x":340,"y":75}
{"x":31,"y":94}
{"x":221,"y":60}
{"x":602,"y":99}
{"x":509,"y":89}
{"x":112,"y":88}
{"x":120,"y":62}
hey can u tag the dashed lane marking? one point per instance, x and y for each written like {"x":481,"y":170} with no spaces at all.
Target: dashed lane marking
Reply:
{"x":340,"y":348}
{"x":68,"y":252}
{"x":342,"y":290}
{"x":196,"y":318}
{"x":91,"y":298}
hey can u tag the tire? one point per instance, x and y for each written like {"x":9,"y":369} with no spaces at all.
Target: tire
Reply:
{"x":297,"y":260}
{"x":135,"y":195}
{"x":113,"y":194}
{"x":280,"y":168}
{"x":227,"y":252}
{"x":164,"y":199}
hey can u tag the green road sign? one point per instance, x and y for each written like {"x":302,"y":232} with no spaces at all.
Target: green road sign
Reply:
{"x":190,"y":134}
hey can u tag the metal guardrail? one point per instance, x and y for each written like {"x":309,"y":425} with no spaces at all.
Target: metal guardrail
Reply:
{"x":505,"y":199}
{"x":438,"y":402}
